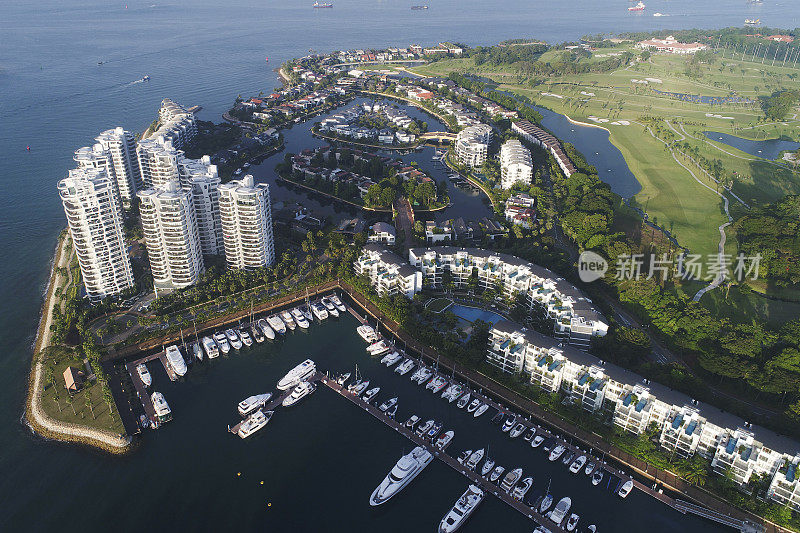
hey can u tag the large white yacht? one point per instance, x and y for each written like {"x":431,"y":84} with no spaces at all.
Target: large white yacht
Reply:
{"x":319,"y":311}
{"x":245,"y":336}
{"x":378,"y":348}
{"x":210,"y":347}
{"x":175,"y":360}
{"x":330,"y":307}
{"x":144,"y":374}
{"x":250,"y":404}
{"x":464,"y":507}
{"x":300,"y":318}
{"x":299,"y":373}
{"x":277,"y":324}
{"x":561,"y":510}
{"x":288,"y":319}
{"x":222,"y":342}
{"x":234,"y":339}
{"x":266,"y":329}
{"x":557,"y":452}
{"x":301,"y":391}
{"x":511,"y":479}
{"x":406,"y":469}
{"x":163,"y":412}
{"x":254,"y":422}
{"x":338,"y":303}
{"x":367,"y":333}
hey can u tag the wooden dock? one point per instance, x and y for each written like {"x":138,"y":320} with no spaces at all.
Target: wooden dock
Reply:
{"x":474,"y":477}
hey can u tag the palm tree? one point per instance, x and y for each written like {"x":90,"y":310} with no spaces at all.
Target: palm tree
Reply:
{"x":696,"y":472}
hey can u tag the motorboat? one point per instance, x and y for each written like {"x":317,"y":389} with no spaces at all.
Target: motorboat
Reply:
{"x":370,"y":394}
{"x":250,"y":404}
{"x":625,"y":489}
{"x":560,"y":512}
{"x":464,"y":400}
{"x":577,"y":464}
{"x":163,"y":412}
{"x":496,"y":473}
{"x":307,"y":313}
{"x":378,"y":348}
{"x":392,"y":411}
{"x":222,"y":342}
{"x":546,"y":503}
{"x":522,"y":488}
{"x":475,"y":458}
{"x":517,"y":431}
{"x":360,"y":387}
{"x":464,"y":456}
{"x":509,"y":423}
{"x":480,"y":410}
{"x":391,"y":358}
{"x":276,"y":324}
{"x":197,"y":351}
{"x":343,"y":378}
{"x":444,"y":439}
{"x":266,"y":329}
{"x":434,"y":430}
{"x":301,"y":372}
{"x":247,"y":340}
{"x":233,"y":338}
{"x":462,"y":509}
{"x":405,"y":367}
{"x":300,"y":318}
{"x":301,"y":391}
{"x":175,"y":360}
{"x":568,"y":457}
{"x":423,"y":428}
{"x":366,"y":332}
{"x":589,"y":468}
{"x":473,"y":405}
{"x":557,"y":452}
{"x":537,"y":441}
{"x":529,"y":435}
{"x":407,"y":468}
{"x":288,"y":319}
{"x":212,"y":351}
{"x":412,"y":422}
{"x":330,"y":307}
{"x":144,"y":374}
{"x":338,"y":303}
{"x":488,"y":464}
{"x":511,"y":479}
{"x":572,"y":522}
{"x":597,"y":477}
{"x":591,"y":529}
{"x":255,"y":331}
{"x":254,"y":422}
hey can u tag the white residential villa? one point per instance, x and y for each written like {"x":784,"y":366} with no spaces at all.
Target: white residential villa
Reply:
{"x":472,"y":144}
{"x":387,"y":271}
{"x":516,"y":165}
{"x":382,"y":232}
{"x":171,"y":236}
{"x":94,"y":216}
{"x":246,"y":215}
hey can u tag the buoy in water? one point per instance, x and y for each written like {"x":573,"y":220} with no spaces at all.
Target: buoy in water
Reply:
{"x":238,"y":474}
{"x":28,"y":148}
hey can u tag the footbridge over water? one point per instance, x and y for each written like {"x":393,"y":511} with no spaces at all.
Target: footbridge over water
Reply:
{"x":441,"y":136}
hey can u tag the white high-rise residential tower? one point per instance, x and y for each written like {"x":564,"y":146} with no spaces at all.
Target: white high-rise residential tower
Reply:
{"x":246,"y":216}
{"x":94,"y":216}
{"x":472,"y":144}
{"x":122,"y":149}
{"x":158,"y":161}
{"x":516,"y":164}
{"x":201,"y":177}
{"x":171,"y":236}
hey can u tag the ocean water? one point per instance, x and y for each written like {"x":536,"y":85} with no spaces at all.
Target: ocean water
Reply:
{"x":319,"y":463}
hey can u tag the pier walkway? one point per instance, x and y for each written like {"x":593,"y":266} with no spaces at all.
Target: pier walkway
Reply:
{"x":473,"y":477}
{"x":744,"y":526}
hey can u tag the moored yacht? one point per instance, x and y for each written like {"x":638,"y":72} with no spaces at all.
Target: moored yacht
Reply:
{"x":475,"y":458}
{"x":222,"y":342}
{"x":197,"y":351}
{"x":254,"y":422}
{"x":423,"y":428}
{"x":163,"y":412}
{"x":589,"y":468}
{"x":412,"y":422}
{"x":561,"y":510}
{"x":300,"y":318}
{"x":288,"y":319}
{"x":212,"y":351}
{"x":529,"y":434}
{"x":343,"y":378}
{"x":444,"y":439}
{"x":330,"y":307}
{"x":597,"y":477}
{"x":474,"y":404}
{"x":175,"y":360}
{"x":463,"y":401}
{"x":366,"y":332}
{"x":557,"y":452}
{"x":303,"y":371}
{"x":464,"y":456}
{"x":509,"y":423}
{"x":247,"y":340}
{"x":455,"y":392}
{"x":407,"y":468}
{"x":307,"y":313}
{"x":250,"y":404}
{"x":266,"y":329}
{"x":572,"y":522}
{"x":391,"y":358}
{"x":517,"y":430}
{"x":537,"y":441}
{"x":255,"y":331}
{"x":405,"y":367}
{"x":462,"y":509}
{"x":338,"y":303}
{"x":370,"y":394}
{"x":511,"y":479}
{"x":496,"y":473}
{"x":625,"y":489}
{"x":233,"y":338}
{"x":488,"y":464}
{"x":378,"y":348}
{"x":301,"y":391}
{"x":144,"y":374}
{"x":437,"y":384}
{"x":577,"y":464}
{"x":547,"y":502}
{"x":276,"y":324}
{"x":522,"y":488}
{"x":360,"y":386}
{"x":480,"y":410}
{"x":435,"y":429}
{"x":424,"y":374}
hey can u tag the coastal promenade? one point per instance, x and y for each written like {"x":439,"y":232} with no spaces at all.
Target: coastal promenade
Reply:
{"x":35,"y":415}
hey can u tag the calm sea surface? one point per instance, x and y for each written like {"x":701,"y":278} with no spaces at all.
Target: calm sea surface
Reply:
{"x":319,"y":461}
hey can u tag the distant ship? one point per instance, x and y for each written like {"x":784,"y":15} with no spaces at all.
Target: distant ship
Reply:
{"x":752,"y":22}
{"x":419,"y":7}
{"x":638,"y":7}
{"x":324,"y":5}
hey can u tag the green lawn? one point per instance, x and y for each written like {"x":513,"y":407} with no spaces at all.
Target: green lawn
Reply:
{"x":54,"y":399}
{"x":749,"y":307}
{"x":437,"y":305}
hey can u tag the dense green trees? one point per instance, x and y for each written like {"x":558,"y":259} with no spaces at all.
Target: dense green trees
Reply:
{"x":777,"y":106}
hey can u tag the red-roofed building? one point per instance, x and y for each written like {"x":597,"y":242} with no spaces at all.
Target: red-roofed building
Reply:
{"x":781,"y":38}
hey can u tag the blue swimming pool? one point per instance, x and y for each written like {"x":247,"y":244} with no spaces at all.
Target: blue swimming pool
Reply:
{"x":471,"y":314}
